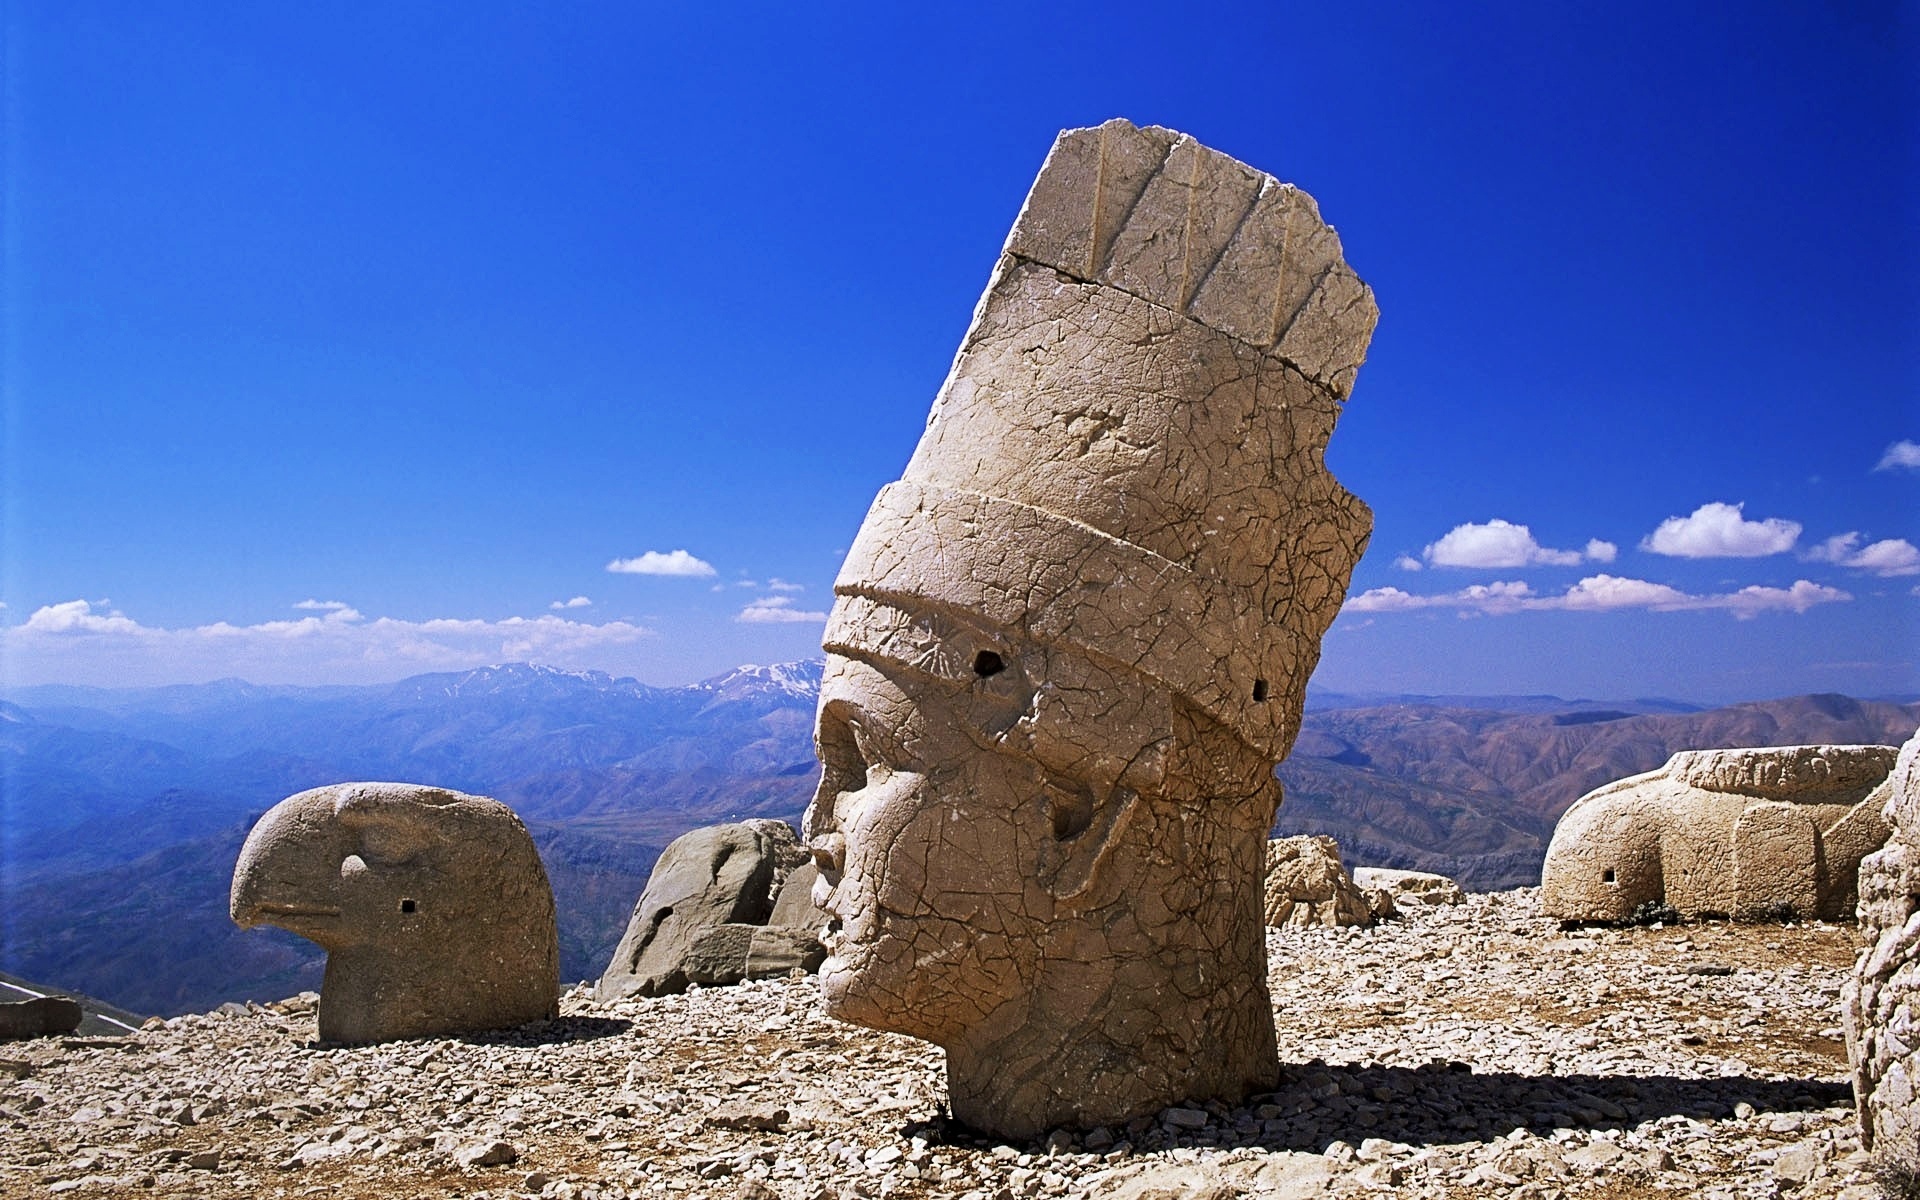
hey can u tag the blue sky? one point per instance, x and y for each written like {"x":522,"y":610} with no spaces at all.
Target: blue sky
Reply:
{"x":347,"y":342}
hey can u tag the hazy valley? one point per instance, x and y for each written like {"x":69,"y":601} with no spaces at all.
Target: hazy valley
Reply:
{"x":124,"y":810}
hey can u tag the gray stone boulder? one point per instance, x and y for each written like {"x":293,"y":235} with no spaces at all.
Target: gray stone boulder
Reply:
{"x":1770,"y":832}
{"x":704,"y":916}
{"x":1878,"y":1003}
{"x":794,"y":905}
{"x":1306,"y":885}
{"x":1410,"y":888}
{"x":432,"y":905}
{"x":44,"y":1016}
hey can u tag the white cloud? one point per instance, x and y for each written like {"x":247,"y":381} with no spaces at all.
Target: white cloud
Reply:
{"x":677,"y":562}
{"x":1605,"y":593}
{"x":1901,"y":454}
{"x":1601,"y":593}
{"x":1501,"y":543}
{"x":768,"y":610}
{"x":1481,"y":597}
{"x":1887,"y":557}
{"x":1407,"y":562}
{"x":1599,"y":551}
{"x":325,"y":606}
{"x":78,"y":617}
{"x":1750,"y":601}
{"x":1718,"y":530}
{"x":81,"y":641}
{"x":576,"y":602}
{"x":777,"y":584}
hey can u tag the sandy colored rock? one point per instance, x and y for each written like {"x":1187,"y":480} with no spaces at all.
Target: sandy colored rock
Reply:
{"x":432,"y":905}
{"x":793,"y":906}
{"x":709,"y":877}
{"x":1777,"y":831}
{"x":1879,"y":1001}
{"x":1069,"y":644}
{"x":730,"y":953}
{"x":1306,"y":885}
{"x":1410,"y":887}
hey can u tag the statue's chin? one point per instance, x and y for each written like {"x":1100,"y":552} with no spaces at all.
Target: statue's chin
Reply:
{"x":845,"y":992}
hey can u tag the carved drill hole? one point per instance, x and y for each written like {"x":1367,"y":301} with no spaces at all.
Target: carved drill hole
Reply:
{"x":988,"y":663}
{"x":407,"y":906}
{"x":1069,"y":810}
{"x":1606,"y":876}
{"x":1259,"y":691}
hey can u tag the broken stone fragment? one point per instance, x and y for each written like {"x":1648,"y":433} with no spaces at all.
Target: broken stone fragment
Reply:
{"x":432,"y":905}
{"x":731,"y":953}
{"x":709,"y":879}
{"x":1306,"y":885}
{"x":43,"y":1016}
{"x":1410,"y":887}
{"x":1767,"y":833}
{"x":1069,"y":644}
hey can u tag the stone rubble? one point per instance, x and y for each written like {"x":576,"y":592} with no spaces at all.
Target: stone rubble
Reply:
{"x":1306,"y":885}
{"x":1461,"y":1051}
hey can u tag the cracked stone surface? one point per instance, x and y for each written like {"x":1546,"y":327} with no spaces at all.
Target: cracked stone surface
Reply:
{"x":1460,"y":1052}
{"x":1753,"y":833}
{"x":432,"y":905}
{"x":707,"y":914}
{"x":1069,"y":644}
{"x":1306,"y":885}
{"x":1883,"y":1038}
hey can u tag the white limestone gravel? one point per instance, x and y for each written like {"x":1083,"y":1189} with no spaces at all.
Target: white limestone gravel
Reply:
{"x":1472,"y":1050}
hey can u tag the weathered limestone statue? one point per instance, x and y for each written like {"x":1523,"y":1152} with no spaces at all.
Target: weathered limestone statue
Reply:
{"x":708,"y":914}
{"x":1306,"y":885}
{"x":1748,"y":833}
{"x":1069,"y":645}
{"x":433,"y":908}
{"x":1878,"y":1004}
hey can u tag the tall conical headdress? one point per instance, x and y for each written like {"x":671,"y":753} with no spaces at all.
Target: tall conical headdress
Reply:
{"x":1126,"y":457}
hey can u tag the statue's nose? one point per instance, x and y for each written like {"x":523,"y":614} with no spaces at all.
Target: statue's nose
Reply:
{"x":829,"y":853}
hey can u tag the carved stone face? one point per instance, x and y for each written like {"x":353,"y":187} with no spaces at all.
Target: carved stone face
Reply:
{"x":1069,"y":643}
{"x":930,"y":849}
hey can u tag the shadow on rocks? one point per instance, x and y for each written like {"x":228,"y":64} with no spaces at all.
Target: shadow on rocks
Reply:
{"x":1441,"y":1103}
{"x":556,"y":1032}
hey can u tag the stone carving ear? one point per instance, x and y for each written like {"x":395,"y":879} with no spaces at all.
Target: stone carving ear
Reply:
{"x":1086,"y":826}
{"x":388,"y":832}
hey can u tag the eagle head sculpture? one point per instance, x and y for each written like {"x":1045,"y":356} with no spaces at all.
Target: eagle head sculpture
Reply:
{"x":432,"y":905}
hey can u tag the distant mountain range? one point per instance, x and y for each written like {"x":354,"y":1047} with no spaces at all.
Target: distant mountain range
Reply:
{"x":121,"y":812}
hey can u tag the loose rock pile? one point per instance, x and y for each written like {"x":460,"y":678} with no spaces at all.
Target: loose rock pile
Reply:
{"x":1464,"y":1050}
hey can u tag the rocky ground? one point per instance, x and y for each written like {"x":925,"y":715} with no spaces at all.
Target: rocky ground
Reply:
{"x":1476,"y":1050}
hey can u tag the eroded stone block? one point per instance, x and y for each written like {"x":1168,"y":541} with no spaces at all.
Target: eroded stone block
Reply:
{"x":1307,"y":885}
{"x":432,"y":905}
{"x":1772,"y":832}
{"x":1068,"y":646}
{"x":718,"y":875}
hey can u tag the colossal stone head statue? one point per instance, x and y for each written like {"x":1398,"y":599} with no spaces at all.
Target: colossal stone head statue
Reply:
{"x":1069,"y":645}
{"x":432,"y":905}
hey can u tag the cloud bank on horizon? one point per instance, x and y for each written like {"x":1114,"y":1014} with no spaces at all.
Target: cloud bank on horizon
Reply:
{"x":553,"y":385}
{"x":91,"y":642}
